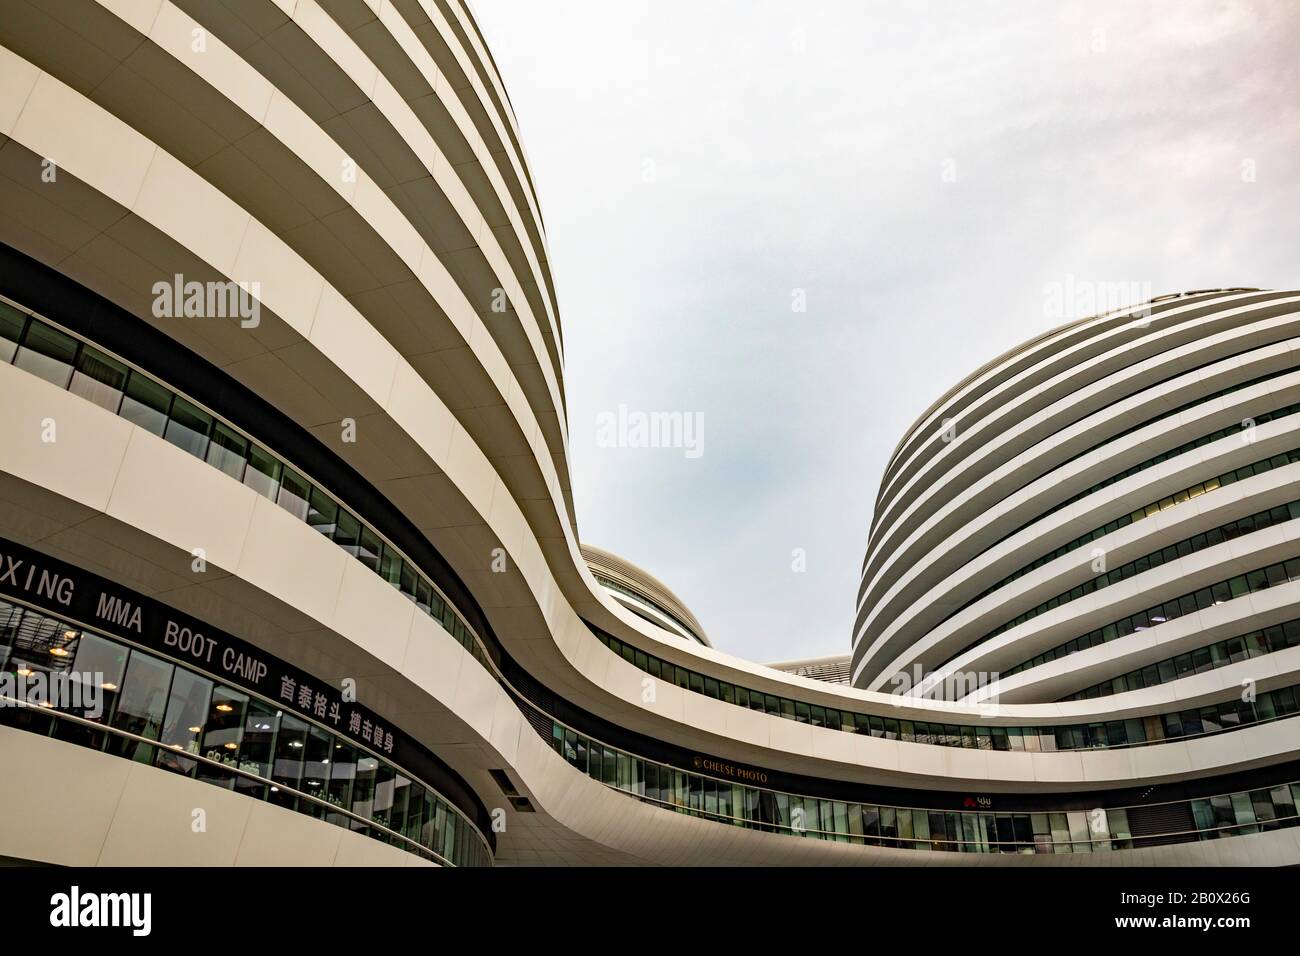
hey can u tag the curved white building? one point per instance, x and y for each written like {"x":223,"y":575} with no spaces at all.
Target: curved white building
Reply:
{"x":1047,"y":515}
{"x":286,"y":530}
{"x":643,"y":594}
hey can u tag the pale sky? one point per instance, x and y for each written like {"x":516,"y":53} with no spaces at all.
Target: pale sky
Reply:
{"x":928,"y":176}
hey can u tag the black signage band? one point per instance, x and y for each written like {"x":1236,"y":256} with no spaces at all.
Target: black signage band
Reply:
{"x":87,"y":599}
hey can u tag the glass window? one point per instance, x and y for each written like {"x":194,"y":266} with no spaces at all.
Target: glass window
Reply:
{"x":870,"y":822}
{"x":364,"y":785}
{"x":347,"y":535}
{"x":255,"y":753}
{"x":188,"y":427}
{"x":223,"y":734}
{"x":1244,"y":812}
{"x":390,"y":566}
{"x":888,"y":826}
{"x":342,"y":769}
{"x":11,"y":330}
{"x":407,"y":587}
{"x":1262,"y":803}
{"x":369,"y":548}
{"x":47,"y":353}
{"x":228,"y":451}
{"x":99,"y":663}
{"x":187,"y":712}
{"x":294,"y":492}
{"x":405,"y":802}
{"x":289,"y":757}
{"x":99,"y":379}
{"x":97,"y":671}
{"x":318,"y":757}
{"x":263,"y":472}
{"x":141,"y":704}
{"x":424,"y":596}
{"x":1283,"y":803}
{"x":146,"y":403}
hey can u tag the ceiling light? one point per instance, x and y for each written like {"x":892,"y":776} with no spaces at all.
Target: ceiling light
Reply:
{"x":59,"y":651}
{"x":224,"y":708}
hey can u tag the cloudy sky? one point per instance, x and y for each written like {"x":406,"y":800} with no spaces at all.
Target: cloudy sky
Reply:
{"x":934,"y":182}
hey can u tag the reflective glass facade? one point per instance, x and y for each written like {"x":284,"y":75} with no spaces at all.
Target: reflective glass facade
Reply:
{"x":1096,"y":830}
{"x":181,"y":720}
{"x":1212,"y":719}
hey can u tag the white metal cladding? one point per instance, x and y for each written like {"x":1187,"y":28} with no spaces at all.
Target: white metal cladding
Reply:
{"x":1034,"y":432}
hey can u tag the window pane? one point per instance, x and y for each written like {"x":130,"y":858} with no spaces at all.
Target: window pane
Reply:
{"x":98,"y":662}
{"x":187,"y":712}
{"x":142,"y":703}
{"x":294,"y":491}
{"x":228,"y":451}
{"x":223,"y":734}
{"x":47,"y":353}
{"x":402,"y":790}
{"x":316,"y":765}
{"x":423,"y":595}
{"x":342,"y":770}
{"x":369,"y":548}
{"x":188,"y":427}
{"x":255,"y":749}
{"x":146,"y":403}
{"x":95,"y":679}
{"x":347,"y":535}
{"x":290,"y":755}
{"x":322,"y":513}
{"x":263,"y":472}
{"x":99,"y":379}
{"x":408,"y":579}
{"x":11,"y":329}
{"x":363,"y":786}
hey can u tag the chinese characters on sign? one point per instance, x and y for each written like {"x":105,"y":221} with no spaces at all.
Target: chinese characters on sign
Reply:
{"x":315,"y":703}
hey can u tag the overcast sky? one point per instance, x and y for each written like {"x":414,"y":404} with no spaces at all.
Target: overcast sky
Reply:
{"x":928,"y":176}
